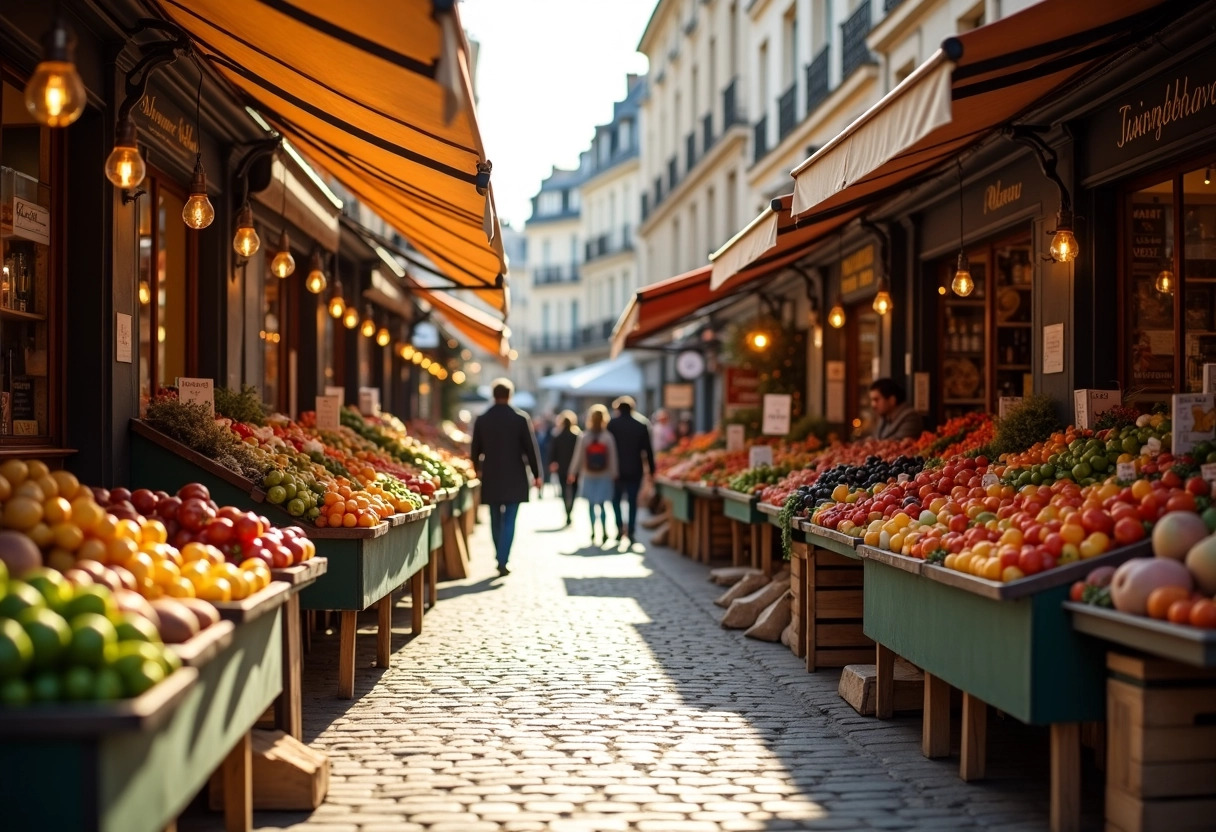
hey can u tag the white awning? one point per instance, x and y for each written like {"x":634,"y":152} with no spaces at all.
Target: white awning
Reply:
{"x":919,"y":105}
{"x":613,"y":377}
{"x":746,"y":247}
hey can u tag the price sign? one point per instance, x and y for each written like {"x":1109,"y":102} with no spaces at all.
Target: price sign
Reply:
{"x":369,"y":401}
{"x":902,"y":478}
{"x":1194,"y":419}
{"x":776,"y":420}
{"x":1088,"y":405}
{"x":340,"y":392}
{"x":758,"y":455}
{"x":327,"y":412}
{"x":1154,"y":446}
{"x":197,"y":390}
{"x":1125,"y":471}
{"x":990,"y":479}
{"x":735,"y":438}
{"x":1005,"y":404}
{"x":1208,"y":471}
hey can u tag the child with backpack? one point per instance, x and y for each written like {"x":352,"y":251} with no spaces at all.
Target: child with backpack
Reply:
{"x":595,"y":459}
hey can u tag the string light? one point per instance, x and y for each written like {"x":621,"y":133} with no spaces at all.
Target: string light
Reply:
{"x":315,"y":282}
{"x":198,"y":212}
{"x":246,"y":241}
{"x":125,"y":166}
{"x":55,"y":94}
{"x":836,"y":314}
{"x":350,"y":318}
{"x":882,"y":300}
{"x":962,"y":284}
{"x":369,"y":323}
{"x":383,"y":337}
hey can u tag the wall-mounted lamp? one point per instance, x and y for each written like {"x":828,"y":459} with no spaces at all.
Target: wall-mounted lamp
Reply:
{"x":55,"y":95}
{"x":1064,"y":247}
{"x":315,"y":282}
{"x":125,"y":166}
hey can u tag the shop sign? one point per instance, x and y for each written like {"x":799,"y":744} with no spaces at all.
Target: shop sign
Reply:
{"x":1152,"y":364}
{"x":677,"y":396}
{"x":161,"y":118}
{"x":857,"y":273}
{"x":31,"y":221}
{"x":742,"y":390}
{"x":1170,"y":107}
{"x":999,"y":195}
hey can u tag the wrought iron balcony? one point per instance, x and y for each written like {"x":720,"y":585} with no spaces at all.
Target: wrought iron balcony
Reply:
{"x":817,"y":79}
{"x":658,"y":190}
{"x":605,"y":244}
{"x":889,"y":6}
{"x":547,"y":275}
{"x":690,"y":150}
{"x":853,"y":32}
{"x":673,"y":173}
{"x":732,"y":114}
{"x":787,"y":116}
{"x":760,"y":139}
{"x":555,"y":342}
{"x":707,"y":132}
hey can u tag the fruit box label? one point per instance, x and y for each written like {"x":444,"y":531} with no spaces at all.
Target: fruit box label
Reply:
{"x":197,"y":390}
{"x":1194,"y":420}
{"x":1090,"y":404}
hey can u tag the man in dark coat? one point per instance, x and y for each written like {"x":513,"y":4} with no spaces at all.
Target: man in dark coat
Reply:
{"x":503,"y":450}
{"x":632,"y":435}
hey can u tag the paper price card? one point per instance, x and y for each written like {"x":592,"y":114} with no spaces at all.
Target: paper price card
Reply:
{"x":758,"y":455}
{"x":369,"y":401}
{"x":1208,"y":471}
{"x":1194,"y":420}
{"x":327,"y":412}
{"x":734,"y":438}
{"x":1088,"y":405}
{"x":197,"y":390}
{"x":776,"y":420}
{"x":1125,"y":471}
{"x":340,"y":392}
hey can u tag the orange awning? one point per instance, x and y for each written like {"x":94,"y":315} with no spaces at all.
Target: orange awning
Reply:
{"x":379,"y":95}
{"x":660,"y":306}
{"x":481,"y":329}
{"x":975,"y":84}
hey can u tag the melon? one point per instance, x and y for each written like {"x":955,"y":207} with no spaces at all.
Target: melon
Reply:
{"x":1138,"y":577}
{"x":1175,"y":534}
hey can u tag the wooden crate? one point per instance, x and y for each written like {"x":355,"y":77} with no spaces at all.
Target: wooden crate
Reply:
{"x":1161,"y":745}
{"x":832,"y":623}
{"x":798,"y":587}
{"x":859,"y":687}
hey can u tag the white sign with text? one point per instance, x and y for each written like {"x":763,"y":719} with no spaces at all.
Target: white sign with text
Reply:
{"x":735,"y":438}
{"x":197,"y":390}
{"x":776,"y":421}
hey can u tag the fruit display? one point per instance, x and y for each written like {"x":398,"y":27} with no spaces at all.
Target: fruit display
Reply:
{"x":1086,"y":457}
{"x":1176,"y":585}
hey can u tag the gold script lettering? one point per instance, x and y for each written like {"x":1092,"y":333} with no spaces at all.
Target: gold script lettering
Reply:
{"x":181,"y":130}
{"x":1179,"y":102}
{"x":997,"y":197}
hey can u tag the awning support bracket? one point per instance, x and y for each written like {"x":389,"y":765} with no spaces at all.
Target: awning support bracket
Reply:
{"x":1031,"y":137}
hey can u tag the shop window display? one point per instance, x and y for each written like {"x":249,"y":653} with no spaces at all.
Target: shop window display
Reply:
{"x":165,"y":325}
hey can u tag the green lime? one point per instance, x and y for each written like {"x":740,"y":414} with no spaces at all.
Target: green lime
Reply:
{"x":20,"y":596}
{"x":295,"y":507}
{"x":54,"y":587}
{"x":1131,"y":445}
{"x":276,"y":495}
{"x":141,"y":677}
{"x":14,"y":693}
{"x":78,"y":684}
{"x":1081,"y":470}
{"x":134,"y":627}
{"x":94,"y":598}
{"x":1048,"y":471}
{"x":273,"y":478}
{"x":126,"y":656}
{"x":107,"y":685}
{"x":1036,"y":478}
{"x":91,"y":634}
{"x":291,"y":489}
{"x":16,"y":650}
{"x":49,"y":634}
{"x":46,"y":687}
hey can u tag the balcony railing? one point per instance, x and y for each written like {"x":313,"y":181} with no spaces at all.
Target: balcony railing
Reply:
{"x":690,"y":149}
{"x":787,"y":115}
{"x":673,"y":173}
{"x":546,"y":275}
{"x":853,"y":32}
{"x":645,"y":206}
{"x":707,"y":132}
{"x":817,"y":79}
{"x":732,"y":114}
{"x":760,"y":139}
{"x":594,"y":334}
{"x":606,"y":244}
{"x":889,"y":6}
{"x":554,"y":342}
{"x":658,"y":190}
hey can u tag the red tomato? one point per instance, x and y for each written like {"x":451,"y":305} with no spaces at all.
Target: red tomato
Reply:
{"x":219,"y":531}
{"x":1097,"y":520}
{"x":1149,"y":509}
{"x":1169,"y":479}
{"x":1181,"y":501}
{"x":1077,"y":591}
{"x":1128,"y":530}
{"x":1197,"y":486}
{"x":1030,"y":562}
{"x":1121,"y":510}
{"x":1053,"y":543}
{"x":195,"y":490}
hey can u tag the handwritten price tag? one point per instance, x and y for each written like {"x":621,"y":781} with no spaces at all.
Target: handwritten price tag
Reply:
{"x":1125,"y":471}
{"x":1208,"y":471}
{"x":990,"y":479}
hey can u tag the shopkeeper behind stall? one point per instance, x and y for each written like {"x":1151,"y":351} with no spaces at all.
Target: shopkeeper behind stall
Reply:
{"x":896,"y":418}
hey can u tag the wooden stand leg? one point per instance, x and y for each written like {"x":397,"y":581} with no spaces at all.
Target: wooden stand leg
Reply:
{"x":1065,"y":777}
{"x":766,"y":550}
{"x":433,"y":584}
{"x":237,"y":774}
{"x":974,"y":750}
{"x":736,"y":544}
{"x":935,"y":730}
{"x":310,"y":624}
{"x":384,"y":632}
{"x":346,"y":654}
{"x":289,"y":706}
{"x":884,"y":669}
{"x":416,"y":600}
{"x":753,"y":552}
{"x":809,"y":635}
{"x":707,"y":519}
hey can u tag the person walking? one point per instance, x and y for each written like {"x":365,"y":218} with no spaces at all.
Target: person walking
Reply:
{"x":595,"y":457}
{"x":632,"y":435}
{"x":561,"y":455}
{"x":503,"y":451}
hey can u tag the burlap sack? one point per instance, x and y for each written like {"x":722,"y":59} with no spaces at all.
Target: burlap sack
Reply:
{"x":787,"y":635}
{"x":746,"y":586}
{"x":774,"y":619}
{"x":744,"y":611}
{"x":730,"y":575}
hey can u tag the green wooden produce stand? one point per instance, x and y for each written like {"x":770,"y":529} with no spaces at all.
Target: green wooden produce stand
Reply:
{"x":1010,"y":646}
{"x":680,"y":504}
{"x":133,"y":766}
{"x":740,"y":509}
{"x":289,"y":708}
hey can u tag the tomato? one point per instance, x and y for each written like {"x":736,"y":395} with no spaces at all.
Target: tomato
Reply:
{"x":1097,"y":520}
{"x":247,"y":528}
{"x":1030,"y":562}
{"x":194,"y":490}
{"x":167,"y":509}
{"x":1171,"y":480}
{"x":1149,"y":509}
{"x":1053,"y":544}
{"x":1128,"y":530}
{"x":144,"y":501}
{"x":1203,"y":614}
{"x":194,"y":514}
{"x":1077,"y":591}
{"x":1180,"y":611}
{"x":219,"y":531}
{"x":1181,"y":501}
{"x":1199,"y":487}
{"x":958,"y":523}
{"x":1119,"y":511}
{"x":1162,"y":598}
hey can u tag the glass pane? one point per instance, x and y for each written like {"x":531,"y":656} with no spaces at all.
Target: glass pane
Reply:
{"x":270,"y":335}
{"x":147,"y":285}
{"x":1199,"y":273}
{"x":171,"y":294}
{"x":869,"y":329}
{"x":25,"y":203}
{"x":1150,"y":298}
{"x":964,"y":340}
{"x":1014,"y":281}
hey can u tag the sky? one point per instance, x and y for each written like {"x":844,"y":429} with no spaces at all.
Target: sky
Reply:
{"x":548,"y":72}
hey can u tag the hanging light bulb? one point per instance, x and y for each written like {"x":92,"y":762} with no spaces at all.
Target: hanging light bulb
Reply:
{"x":882,"y":300}
{"x":125,"y":166}
{"x":337,"y":303}
{"x":198,"y":212}
{"x":315,"y":282}
{"x":350,"y":318}
{"x":55,"y":95}
{"x":458,"y":377}
{"x":1165,"y":281}
{"x":283,"y":264}
{"x":963,"y":284}
{"x":1207,"y":175}
{"x":758,"y":340}
{"x":383,"y":337}
{"x":369,"y":323}
{"x":246,"y":241}
{"x":145,"y":293}
{"x":418,"y":358}
{"x":836,"y":315}
{"x":1064,"y":248}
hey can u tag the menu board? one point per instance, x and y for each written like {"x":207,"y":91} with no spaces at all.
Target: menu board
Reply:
{"x":1152,"y":312}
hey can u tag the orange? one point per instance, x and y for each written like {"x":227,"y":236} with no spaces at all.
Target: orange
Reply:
{"x":1162,"y":598}
{"x":1203,"y":614}
{"x":38,"y":469}
{"x":67,"y":482}
{"x":154,"y":532}
{"x":49,"y":486}
{"x":67,"y":536}
{"x":22,"y":513}
{"x":119,"y":550}
{"x":349,"y":520}
{"x":56,"y":510}
{"x":180,"y":587}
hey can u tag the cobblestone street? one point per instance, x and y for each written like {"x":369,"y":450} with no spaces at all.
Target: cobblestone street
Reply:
{"x":594,"y":690}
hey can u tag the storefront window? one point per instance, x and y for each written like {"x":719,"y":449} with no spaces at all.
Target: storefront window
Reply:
{"x":1199,"y":273}
{"x":271,"y":338}
{"x":867,"y":348}
{"x":164,"y":289}
{"x":1151,"y":286}
{"x":25,"y":273}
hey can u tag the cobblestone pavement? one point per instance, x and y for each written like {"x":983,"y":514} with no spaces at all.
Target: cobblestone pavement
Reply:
{"x":592,"y":689}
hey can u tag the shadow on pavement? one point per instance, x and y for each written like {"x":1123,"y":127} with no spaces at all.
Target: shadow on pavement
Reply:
{"x":456,"y":590}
